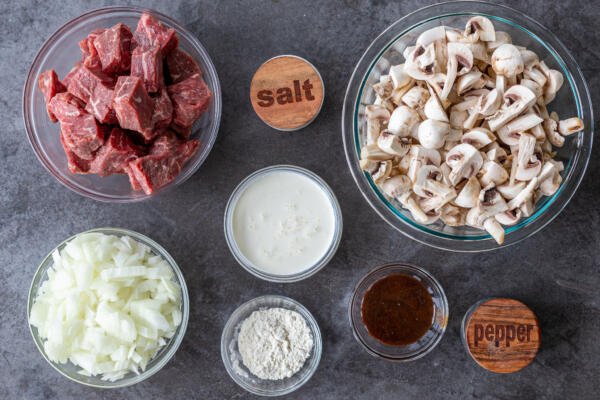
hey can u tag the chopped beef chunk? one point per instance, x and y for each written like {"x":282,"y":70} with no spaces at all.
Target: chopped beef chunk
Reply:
{"x":181,"y":65}
{"x":64,"y":106}
{"x":148,"y":65}
{"x":163,"y":110}
{"x":115,"y":154}
{"x":50,"y":85}
{"x":152,"y":33}
{"x":184,"y":132}
{"x":133,"y":106}
{"x":100,"y":105}
{"x":165,"y":161}
{"x":70,"y":74}
{"x":83,"y":82}
{"x":75,"y":164}
{"x":90,"y":58}
{"x":190,"y":98}
{"x":114,"y":49}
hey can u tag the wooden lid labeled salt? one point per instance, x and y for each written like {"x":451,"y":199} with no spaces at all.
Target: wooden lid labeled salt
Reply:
{"x":287,"y":92}
{"x":502,"y":335}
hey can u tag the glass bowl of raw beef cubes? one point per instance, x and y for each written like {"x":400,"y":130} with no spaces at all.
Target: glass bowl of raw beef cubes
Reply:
{"x":122,"y":103}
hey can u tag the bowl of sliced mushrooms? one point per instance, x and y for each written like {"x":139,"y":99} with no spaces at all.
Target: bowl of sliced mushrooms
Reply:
{"x":467,"y":126}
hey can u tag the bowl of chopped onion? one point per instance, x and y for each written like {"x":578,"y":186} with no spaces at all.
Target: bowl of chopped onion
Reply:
{"x":108,"y":308}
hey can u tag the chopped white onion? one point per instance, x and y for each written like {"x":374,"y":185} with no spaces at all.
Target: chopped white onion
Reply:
{"x":107,"y":306}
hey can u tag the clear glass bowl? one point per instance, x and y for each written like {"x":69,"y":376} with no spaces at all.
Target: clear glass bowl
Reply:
{"x":572,"y":100}
{"x":412,"y":351}
{"x":233,"y":360}
{"x":68,"y":369}
{"x":60,"y":52}
{"x":243,"y":260}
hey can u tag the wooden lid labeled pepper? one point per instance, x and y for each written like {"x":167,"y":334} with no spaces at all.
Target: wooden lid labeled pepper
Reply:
{"x":287,"y":92}
{"x":502,"y":335}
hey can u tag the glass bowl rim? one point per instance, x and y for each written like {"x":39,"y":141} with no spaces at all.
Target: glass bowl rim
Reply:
{"x":248,"y":305}
{"x":400,"y":268}
{"x":31,"y":81}
{"x":419,"y":232}
{"x":247,"y":264}
{"x":176,"y":340}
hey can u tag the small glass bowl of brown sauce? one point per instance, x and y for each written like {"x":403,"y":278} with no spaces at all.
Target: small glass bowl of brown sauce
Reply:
{"x":399,"y":312}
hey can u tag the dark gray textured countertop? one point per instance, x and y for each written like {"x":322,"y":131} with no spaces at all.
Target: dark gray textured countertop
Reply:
{"x":555,"y":272}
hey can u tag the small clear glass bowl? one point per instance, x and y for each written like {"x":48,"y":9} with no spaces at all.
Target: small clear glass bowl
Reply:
{"x":243,"y":260}
{"x":572,"y":100}
{"x":69,"y":369}
{"x":411,"y":351}
{"x":60,"y":52}
{"x":233,"y":360}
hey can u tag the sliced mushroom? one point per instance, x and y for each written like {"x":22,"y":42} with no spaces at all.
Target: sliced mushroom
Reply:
{"x":432,"y":133}
{"x":408,"y":201}
{"x":416,"y":97}
{"x":517,"y":99}
{"x":507,"y":61}
{"x":555,"y":82}
{"x":421,"y":62}
{"x":570,"y":126}
{"x":501,"y":38}
{"x":460,"y":61}
{"x":432,"y":35}
{"x":492,"y":173}
{"x":490,"y":203}
{"x":528,"y":164}
{"x":527,"y":208}
{"x":396,"y":186}
{"x":469,"y":194}
{"x":510,"y":133}
{"x":478,"y":137}
{"x":402,"y":121}
{"x":376,"y":117}
{"x":509,"y":217}
{"x":523,"y":196}
{"x":374,"y":153}
{"x":470,"y":80}
{"x":383,"y":171}
{"x":420,"y":156}
{"x":510,"y":191}
{"x":465,"y":161}
{"x":480,"y":28}
{"x":551,"y":129}
{"x":384,"y":87}
{"x":393,"y":144}
{"x":496,"y":153}
{"x":452,"y":215}
{"x":494,"y":228}
{"x":433,"y":108}
{"x":399,"y":76}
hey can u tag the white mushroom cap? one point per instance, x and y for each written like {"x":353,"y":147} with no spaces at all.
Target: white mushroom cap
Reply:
{"x":490,"y":203}
{"x":469,"y":194}
{"x":402,"y":120}
{"x":496,"y":153}
{"x":433,"y":108}
{"x":420,"y":156}
{"x":507,"y":61}
{"x":421,"y":62}
{"x":432,"y":133}
{"x":510,"y":133}
{"x":525,"y":195}
{"x":510,"y":191}
{"x":408,"y":201}
{"x":465,"y":161}
{"x":492,"y":226}
{"x":517,"y":99}
{"x":509,"y":217}
{"x":374,"y":153}
{"x":570,"y":126}
{"x":555,"y":82}
{"x":501,"y":38}
{"x":470,"y":80}
{"x":416,"y":97}
{"x":432,"y":35}
{"x":452,"y":215}
{"x":528,"y":164}
{"x":384,"y":171}
{"x":399,"y":76}
{"x":551,"y":129}
{"x":460,"y":61}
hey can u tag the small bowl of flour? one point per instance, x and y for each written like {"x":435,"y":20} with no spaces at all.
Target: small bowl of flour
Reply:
{"x":271,"y":345}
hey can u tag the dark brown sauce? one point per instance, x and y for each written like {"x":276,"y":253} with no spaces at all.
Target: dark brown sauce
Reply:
{"x":397,"y":310}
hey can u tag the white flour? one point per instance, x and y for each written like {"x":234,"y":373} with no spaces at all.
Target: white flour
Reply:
{"x":274,"y":343}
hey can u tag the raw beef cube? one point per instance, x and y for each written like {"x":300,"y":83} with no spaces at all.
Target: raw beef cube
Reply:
{"x":83,"y":82}
{"x":166,"y":143}
{"x":75,"y":164}
{"x":163,"y":110}
{"x":181,"y":66}
{"x":163,"y":164}
{"x":90,"y":58}
{"x":151,"y":33}
{"x":135,"y":185}
{"x":65,"y":107}
{"x":70,"y":75}
{"x":100,"y":105}
{"x":50,"y":86}
{"x":115,"y":154}
{"x":114,"y":49}
{"x":82,"y":135}
{"x":148,"y":65}
{"x":133,"y":106}
{"x":184,"y":132}
{"x":190,"y":98}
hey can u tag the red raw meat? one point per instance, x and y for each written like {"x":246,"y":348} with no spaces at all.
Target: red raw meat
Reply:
{"x":183,"y":131}
{"x":151,"y":33}
{"x":64,"y":106}
{"x":83,"y":81}
{"x":133,"y":106}
{"x":90,"y":58}
{"x":148,"y":65}
{"x":114,"y":49}
{"x":75,"y":164}
{"x":163,"y":110}
{"x":50,"y":85}
{"x":100,"y":105}
{"x":70,"y":74}
{"x":164,"y":162}
{"x":190,"y":98}
{"x":115,"y":154}
{"x":181,"y":66}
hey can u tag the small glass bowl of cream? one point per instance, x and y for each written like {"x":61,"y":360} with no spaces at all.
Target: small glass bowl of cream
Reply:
{"x":283,"y":223}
